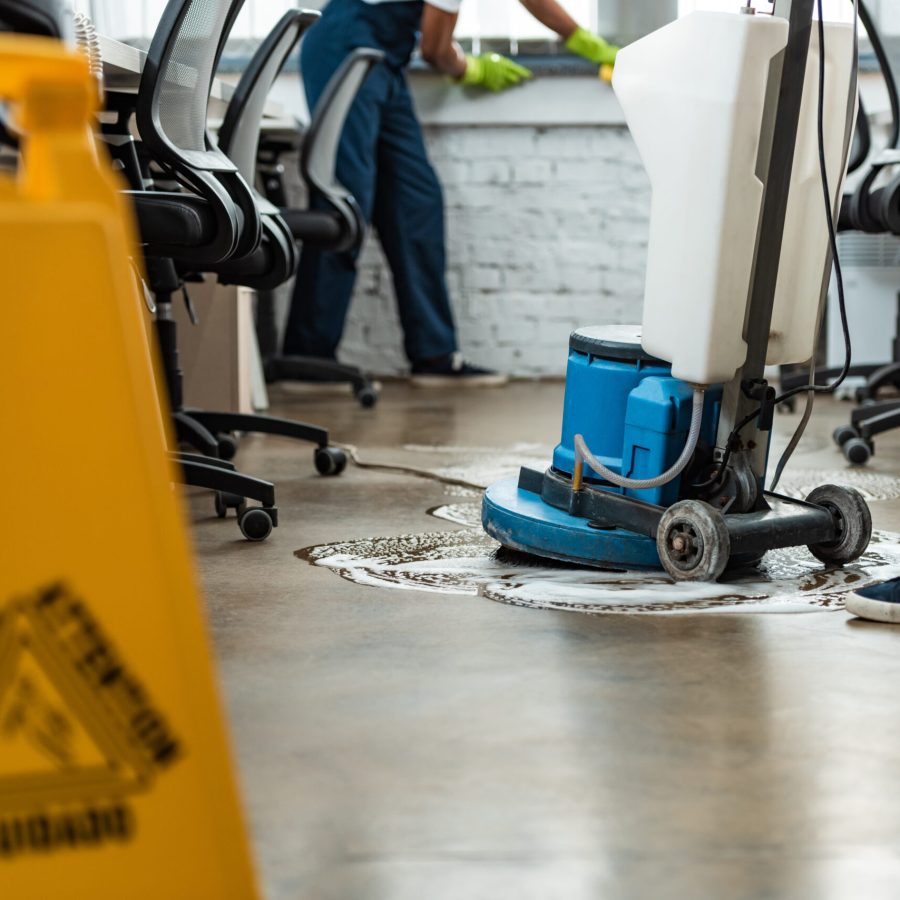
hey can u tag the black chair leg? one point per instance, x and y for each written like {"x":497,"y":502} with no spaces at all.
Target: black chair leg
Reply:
{"x":884,"y":376}
{"x":885,"y":420}
{"x":328,"y":460}
{"x":216,"y":422}
{"x":303,"y":368}
{"x":232,"y":491}
{"x":188,"y":430}
{"x":181,"y":457}
{"x":857,"y":440}
{"x":870,"y":410}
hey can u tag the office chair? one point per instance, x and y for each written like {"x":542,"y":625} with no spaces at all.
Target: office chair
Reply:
{"x":213,"y":220}
{"x":171,"y":120}
{"x":874,"y":208}
{"x":341,"y":226}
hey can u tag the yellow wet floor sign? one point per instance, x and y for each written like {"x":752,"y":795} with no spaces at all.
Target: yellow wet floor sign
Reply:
{"x":115,"y":777}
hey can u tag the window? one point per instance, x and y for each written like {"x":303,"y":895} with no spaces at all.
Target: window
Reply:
{"x":137,"y":19}
{"x":508,"y":19}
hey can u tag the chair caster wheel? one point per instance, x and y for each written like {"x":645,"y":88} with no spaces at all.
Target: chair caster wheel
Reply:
{"x":851,"y":515}
{"x":330,"y":461}
{"x":367,"y":397}
{"x":225,"y":501}
{"x":228,"y":446}
{"x":844,"y":433}
{"x":858,"y":451}
{"x":255,"y":523}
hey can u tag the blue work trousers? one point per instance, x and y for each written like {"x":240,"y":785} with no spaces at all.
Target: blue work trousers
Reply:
{"x":382,"y":161}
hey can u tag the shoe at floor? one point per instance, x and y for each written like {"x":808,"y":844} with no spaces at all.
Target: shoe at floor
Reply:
{"x":453,"y":371}
{"x":879,"y":602}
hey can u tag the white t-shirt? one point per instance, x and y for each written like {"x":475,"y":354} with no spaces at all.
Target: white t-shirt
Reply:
{"x":450,"y":6}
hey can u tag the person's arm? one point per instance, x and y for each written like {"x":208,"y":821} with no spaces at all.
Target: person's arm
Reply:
{"x":551,"y":14}
{"x":439,"y":50}
{"x":578,"y":40}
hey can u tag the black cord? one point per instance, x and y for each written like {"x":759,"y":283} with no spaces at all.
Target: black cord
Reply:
{"x":832,"y":238}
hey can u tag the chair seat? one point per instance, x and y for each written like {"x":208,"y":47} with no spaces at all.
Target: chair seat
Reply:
{"x":170,"y":219}
{"x":314,"y":226}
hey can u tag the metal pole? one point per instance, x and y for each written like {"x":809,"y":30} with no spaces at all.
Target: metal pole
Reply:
{"x":775,"y":165}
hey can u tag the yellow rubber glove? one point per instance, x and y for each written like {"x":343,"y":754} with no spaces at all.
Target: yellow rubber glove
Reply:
{"x":593,"y":48}
{"x":493,"y":72}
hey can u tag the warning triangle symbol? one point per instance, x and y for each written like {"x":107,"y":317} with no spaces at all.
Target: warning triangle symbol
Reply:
{"x":56,"y":746}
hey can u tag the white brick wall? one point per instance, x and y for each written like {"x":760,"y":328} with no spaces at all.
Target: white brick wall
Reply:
{"x":546,"y":231}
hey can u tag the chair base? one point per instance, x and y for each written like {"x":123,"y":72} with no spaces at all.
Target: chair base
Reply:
{"x":233,"y":489}
{"x":313,"y":369}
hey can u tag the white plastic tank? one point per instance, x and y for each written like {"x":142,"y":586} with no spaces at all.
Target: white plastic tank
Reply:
{"x":804,"y":254}
{"x":693,"y":94}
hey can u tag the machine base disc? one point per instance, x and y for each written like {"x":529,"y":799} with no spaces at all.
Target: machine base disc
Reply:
{"x":522,"y":521}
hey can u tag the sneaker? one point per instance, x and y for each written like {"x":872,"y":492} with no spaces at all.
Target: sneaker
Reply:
{"x":878,"y":602}
{"x":453,"y":371}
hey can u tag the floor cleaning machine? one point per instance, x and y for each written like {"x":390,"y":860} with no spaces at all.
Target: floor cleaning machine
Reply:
{"x":744,"y":122}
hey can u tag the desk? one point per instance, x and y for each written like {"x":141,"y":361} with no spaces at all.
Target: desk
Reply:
{"x":123,"y":65}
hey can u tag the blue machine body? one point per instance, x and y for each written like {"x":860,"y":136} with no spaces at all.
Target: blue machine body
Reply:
{"x":635,"y":416}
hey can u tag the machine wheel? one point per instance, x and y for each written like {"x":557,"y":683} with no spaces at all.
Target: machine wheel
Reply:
{"x":255,"y":523}
{"x":330,"y":461}
{"x":693,"y":541}
{"x":851,"y":513}
{"x":225,"y":501}
{"x":366,"y":396}
{"x":844,"y":433}
{"x":858,"y":451}
{"x":228,"y":446}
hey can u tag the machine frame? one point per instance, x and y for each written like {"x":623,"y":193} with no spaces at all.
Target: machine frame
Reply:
{"x":739,"y":521}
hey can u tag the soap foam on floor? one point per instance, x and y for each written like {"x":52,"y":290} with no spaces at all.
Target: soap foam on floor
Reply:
{"x":469,"y":563}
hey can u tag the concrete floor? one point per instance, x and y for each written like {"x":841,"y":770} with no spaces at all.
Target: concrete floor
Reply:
{"x":413,"y":746}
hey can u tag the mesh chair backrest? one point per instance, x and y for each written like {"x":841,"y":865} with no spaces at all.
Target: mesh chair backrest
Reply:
{"x":186,"y":75}
{"x":239,"y":135}
{"x":320,"y":149}
{"x":172,"y":110}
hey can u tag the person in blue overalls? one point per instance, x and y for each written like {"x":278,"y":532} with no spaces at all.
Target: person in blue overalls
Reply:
{"x":383,"y":162}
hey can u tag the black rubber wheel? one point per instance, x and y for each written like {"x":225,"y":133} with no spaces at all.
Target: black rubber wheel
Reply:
{"x":367,"y":397}
{"x":255,"y":523}
{"x":228,"y":446}
{"x":844,"y":433}
{"x":693,"y":541}
{"x":857,"y":451}
{"x":330,"y":461}
{"x":225,"y":501}
{"x":854,"y":521}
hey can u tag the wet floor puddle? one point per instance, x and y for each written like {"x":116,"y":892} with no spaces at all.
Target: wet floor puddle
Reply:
{"x":467,"y":562}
